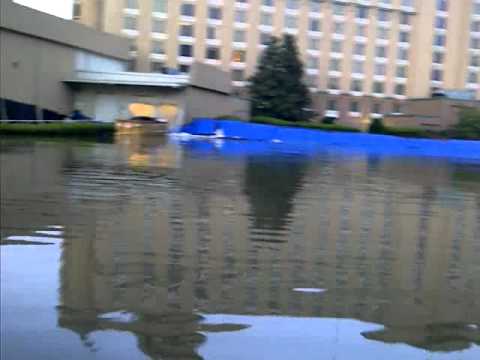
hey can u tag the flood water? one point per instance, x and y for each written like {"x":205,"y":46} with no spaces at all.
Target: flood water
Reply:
{"x":149,"y":249}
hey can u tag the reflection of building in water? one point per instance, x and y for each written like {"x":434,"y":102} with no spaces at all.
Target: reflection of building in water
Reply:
{"x":395,"y":243}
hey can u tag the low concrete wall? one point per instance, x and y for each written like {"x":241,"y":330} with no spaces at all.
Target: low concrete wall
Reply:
{"x":413,"y":122}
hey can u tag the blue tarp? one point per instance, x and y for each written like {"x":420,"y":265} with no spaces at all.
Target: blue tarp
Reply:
{"x":297,"y":139}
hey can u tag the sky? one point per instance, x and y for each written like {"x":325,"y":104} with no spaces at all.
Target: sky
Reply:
{"x":61,"y":8}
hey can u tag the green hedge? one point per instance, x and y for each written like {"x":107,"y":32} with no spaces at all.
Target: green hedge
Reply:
{"x":303,"y":124}
{"x":468,"y":126}
{"x":377,"y":127}
{"x":57,"y":129}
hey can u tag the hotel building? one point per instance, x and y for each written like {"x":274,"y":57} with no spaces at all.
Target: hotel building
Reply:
{"x":362,"y":58}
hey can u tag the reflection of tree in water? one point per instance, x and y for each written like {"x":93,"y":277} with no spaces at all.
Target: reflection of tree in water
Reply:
{"x":434,"y":337}
{"x":271,"y":185}
{"x":167,"y":336}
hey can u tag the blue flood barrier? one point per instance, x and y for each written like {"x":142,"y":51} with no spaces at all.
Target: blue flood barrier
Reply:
{"x":279,"y":138}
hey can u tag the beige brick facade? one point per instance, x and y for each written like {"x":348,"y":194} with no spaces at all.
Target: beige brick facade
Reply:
{"x":384,"y":49}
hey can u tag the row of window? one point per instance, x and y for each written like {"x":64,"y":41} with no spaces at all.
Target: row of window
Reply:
{"x":238,"y":75}
{"x":355,"y":107}
{"x":473,"y":75}
{"x":357,"y":86}
{"x":266,"y":18}
{"x":187,"y":29}
{"x":314,"y":5}
{"x":239,"y":56}
{"x":312,"y":61}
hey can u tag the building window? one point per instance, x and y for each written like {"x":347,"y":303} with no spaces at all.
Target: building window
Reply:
{"x":332,"y":105}
{"x":291,"y":22}
{"x":184,"y":69}
{"x":160,"y":6}
{"x":362,"y":12}
{"x":311,"y":80}
{"x":240,"y":16}
{"x":187,"y":9}
{"x":239,"y":56}
{"x":133,"y":45}
{"x":354,"y":106}
{"x":159,"y":26}
{"x":267,"y":3}
{"x":357,"y":85}
{"x":475,"y":27}
{"x":314,"y":25}
{"x":131,"y":4}
{"x":404,"y":19}
{"x":265,"y":38}
{"x":211,"y":32}
{"x":214,"y":13}
{"x":312,"y":62}
{"x":158,"y":47}
{"x":335,"y":64}
{"x":383,"y":15}
{"x":238,"y":75}
{"x":333,"y":83}
{"x":404,"y":36}
{"x":437,"y":75}
{"x":378,"y":87}
{"x":130,"y":23}
{"x":376,"y":108}
{"x":381,"y":52}
{"x":440,"y":22}
{"x":132,"y":64}
{"x":336,"y":46}
{"x":380,"y":69}
{"x":438,"y":57}
{"x":397,"y":109}
{"x":157,"y":67}
{"x":439,"y":40}
{"x":475,"y":43}
{"x":239,"y":36}
{"x":315,"y":6}
{"x":361,"y":30}
{"x":408,"y":3}
{"x":213,"y":53}
{"x":359,"y":49}
{"x":313,"y":43}
{"x":357,"y":67}
{"x":402,"y":54}
{"x":266,"y":19}
{"x":185,"y":50}
{"x":383,"y":33}
{"x":293,"y":4}
{"x":442,"y":5}
{"x":473,"y":77}
{"x":77,"y":10}
{"x":401,"y":72}
{"x":400,"y":89}
{"x":338,"y":28}
{"x":475,"y":60}
{"x":186,"y":30}
{"x":338,"y":9}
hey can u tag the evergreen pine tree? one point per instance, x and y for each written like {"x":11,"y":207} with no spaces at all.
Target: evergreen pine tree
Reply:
{"x":277,"y":88}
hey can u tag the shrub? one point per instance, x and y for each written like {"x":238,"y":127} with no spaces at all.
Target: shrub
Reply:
{"x":58,"y":129}
{"x":468,"y":126}
{"x":303,"y":124}
{"x":228,"y":117}
{"x":328,"y":120}
{"x":377,"y":127}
